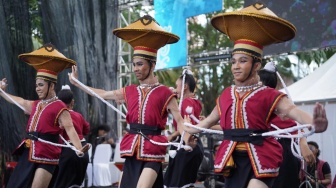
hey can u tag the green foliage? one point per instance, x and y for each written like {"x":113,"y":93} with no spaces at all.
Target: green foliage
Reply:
{"x":36,"y":23}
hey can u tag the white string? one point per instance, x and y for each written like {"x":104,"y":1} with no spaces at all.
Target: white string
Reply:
{"x":296,"y":153}
{"x":13,"y":101}
{"x":186,"y":147}
{"x":166,"y":143}
{"x":182,"y":91}
{"x":180,"y":107}
{"x":203,"y":129}
{"x":79,"y":153}
{"x":124,"y":107}
{"x":96,"y":95}
{"x":276,"y":133}
{"x":284,"y":85}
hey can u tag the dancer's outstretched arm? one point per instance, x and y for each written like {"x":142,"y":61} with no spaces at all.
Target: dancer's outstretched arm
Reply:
{"x":26,"y":104}
{"x":116,"y":95}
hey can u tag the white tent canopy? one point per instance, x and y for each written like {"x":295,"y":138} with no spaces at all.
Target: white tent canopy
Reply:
{"x":319,"y":85}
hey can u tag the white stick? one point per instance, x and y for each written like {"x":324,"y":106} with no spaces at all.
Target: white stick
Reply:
{"x":189,"y":112}
{"x":96,"y":95}
{"x":13,"y":101}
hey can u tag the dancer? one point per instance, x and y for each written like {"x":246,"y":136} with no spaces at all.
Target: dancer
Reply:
{"x":290,"y":166}
{"x":71,"y":168}
{"x":182,"y":168}
{"x":148,"y":105}
{"x":246,"y":109}
{"x":48,"y":118}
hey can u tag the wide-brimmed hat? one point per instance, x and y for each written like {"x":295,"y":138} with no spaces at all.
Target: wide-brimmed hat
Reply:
{"x":47,"y":61}
{"x":256,"y":23}
{"x":146,"y":36}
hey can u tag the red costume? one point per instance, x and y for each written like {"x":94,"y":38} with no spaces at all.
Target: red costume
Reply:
{"x":44,"y":121}
{"x":149,"y":108}
{"x":71,"y":168}
{"x":196,"y":109}
{"x":182,"y":169}
{"x":254,"y":110}
{"x":82,"y":127}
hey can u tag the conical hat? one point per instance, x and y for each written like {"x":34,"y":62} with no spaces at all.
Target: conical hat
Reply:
{"x":146,"y":32}
{"x":47,"y":61}
{"x":256,"y":23}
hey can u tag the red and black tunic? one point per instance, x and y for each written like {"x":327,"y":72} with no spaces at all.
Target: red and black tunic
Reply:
{"x":254,"y":110}
{"x":147,"y":107}
{"x":44,"y":121}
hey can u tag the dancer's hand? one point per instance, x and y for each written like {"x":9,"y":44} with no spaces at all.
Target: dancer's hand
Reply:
{"x":74,"y":73}
{"x":307,"y":154}
{"x":192,"y":141}
{"x":320,"y":120}
{"x":86,"y":148}
{"x":3,"y":84}
{"x":171,"y":137}
{"x":187,"y":120}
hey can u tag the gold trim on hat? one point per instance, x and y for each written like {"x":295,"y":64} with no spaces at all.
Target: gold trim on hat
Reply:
{"x":256,"y":23}
{"x":146,"y":32}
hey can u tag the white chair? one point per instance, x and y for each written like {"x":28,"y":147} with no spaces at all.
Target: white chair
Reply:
{"x":90,"y":154}
{"x":99,"y":174}
{"x":117,"y":159}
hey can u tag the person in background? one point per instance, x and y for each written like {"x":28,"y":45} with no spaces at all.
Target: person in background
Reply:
{"x":182,"y":169}
{"x":319,"y":171}
{"x":103,"y":137}
{"x":290,"y":167}
{"x":71,"y":168}
{"x":100,"y":135}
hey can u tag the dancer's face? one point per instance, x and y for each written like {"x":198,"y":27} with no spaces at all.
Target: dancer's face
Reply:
{"x":241,"y":66}
{"x":178,"y":89}
{"x":41,"y":87}
{"x":141,"y":68}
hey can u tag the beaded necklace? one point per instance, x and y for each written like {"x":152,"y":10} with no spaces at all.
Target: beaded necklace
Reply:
{"x":49,"y":100}
{"x":142,"y":86}
{"x":248,"y":88}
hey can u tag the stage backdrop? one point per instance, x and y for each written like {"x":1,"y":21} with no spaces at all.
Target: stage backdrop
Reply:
{"x":315,"y":21}
{"x":172,"y":15}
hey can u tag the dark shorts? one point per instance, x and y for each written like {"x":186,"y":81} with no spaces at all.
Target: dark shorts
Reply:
{"x":133,"y":168}
{"x":24,"y":171}
{"x":182,"y":170}
{"x":243,"y":173}
{"x":290,"y":167}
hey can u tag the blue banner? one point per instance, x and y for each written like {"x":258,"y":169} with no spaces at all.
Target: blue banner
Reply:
{"x":172,"y":16}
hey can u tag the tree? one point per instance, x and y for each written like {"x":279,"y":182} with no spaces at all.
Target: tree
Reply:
{"x":81,"y":30}
{"x":15,"y":37}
